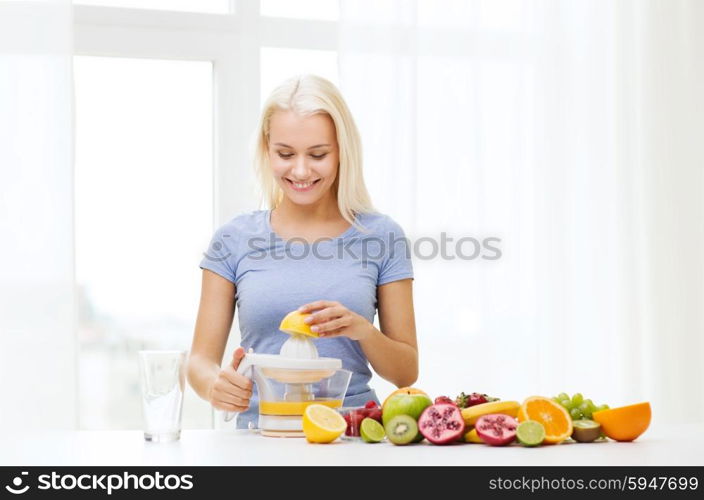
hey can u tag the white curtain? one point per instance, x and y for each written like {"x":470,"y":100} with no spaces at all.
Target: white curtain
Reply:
{"x":572,"y":130}
{"x":37,"y":347}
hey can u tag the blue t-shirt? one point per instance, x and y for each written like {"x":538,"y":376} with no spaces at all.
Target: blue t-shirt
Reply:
{"x":274,"y":277}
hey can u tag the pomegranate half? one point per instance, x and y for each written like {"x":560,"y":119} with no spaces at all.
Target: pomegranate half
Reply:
{"x":496,"y":429}
{"x":441,"y":423}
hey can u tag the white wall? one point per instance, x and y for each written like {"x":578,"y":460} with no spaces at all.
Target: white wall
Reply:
{"x":37,"y":327}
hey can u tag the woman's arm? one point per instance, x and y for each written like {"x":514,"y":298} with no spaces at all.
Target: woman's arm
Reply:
{"x":225,"y":389}
{"x":394,"y":353}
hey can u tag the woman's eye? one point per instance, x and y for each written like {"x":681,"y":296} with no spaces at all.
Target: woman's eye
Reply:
{"x":287,"y":156}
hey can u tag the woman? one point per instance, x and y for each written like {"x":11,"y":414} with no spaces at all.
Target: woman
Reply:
{"x":320,"y":248}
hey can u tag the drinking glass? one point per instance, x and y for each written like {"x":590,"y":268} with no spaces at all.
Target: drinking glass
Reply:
{"x":162,"y":376}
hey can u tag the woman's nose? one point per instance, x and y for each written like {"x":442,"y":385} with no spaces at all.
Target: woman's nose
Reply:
{"x":300,"y":169}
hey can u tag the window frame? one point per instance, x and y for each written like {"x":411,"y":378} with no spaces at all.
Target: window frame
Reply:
{"x":232,"y":42}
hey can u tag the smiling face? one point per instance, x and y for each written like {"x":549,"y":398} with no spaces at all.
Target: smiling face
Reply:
{"x":304,"y":156}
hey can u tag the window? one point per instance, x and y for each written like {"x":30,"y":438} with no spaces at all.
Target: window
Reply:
{"x":143,"y":190}
{"x":278,"y":64}
{"x":209,"y":6}
{"x":153,"y":96}
{"x":322,"y":10}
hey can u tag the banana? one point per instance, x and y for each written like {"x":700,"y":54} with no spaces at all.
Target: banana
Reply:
{"x":472,"y":414}
{"x":472,"y":437}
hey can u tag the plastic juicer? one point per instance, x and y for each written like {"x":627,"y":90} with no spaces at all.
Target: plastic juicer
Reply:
{"x":290,"y":381}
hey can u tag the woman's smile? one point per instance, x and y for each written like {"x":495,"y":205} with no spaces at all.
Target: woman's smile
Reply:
{"x":302,"y":186}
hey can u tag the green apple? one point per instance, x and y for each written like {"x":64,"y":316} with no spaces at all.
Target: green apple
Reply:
{"x":406,"y":404}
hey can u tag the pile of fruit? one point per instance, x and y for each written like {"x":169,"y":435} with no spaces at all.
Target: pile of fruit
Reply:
{"x":355,"y":416}
{"x":408,"y":415}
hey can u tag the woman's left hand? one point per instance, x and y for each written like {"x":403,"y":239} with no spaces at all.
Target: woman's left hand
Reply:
{"x":330,"y":319}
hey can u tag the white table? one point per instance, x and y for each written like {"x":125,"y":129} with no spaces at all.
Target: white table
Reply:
{"x":672,"y":445}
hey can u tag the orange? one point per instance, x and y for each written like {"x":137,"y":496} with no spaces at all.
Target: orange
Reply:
{"x":555,"y":419}
{"x":404,"y":390}
{"x":624,"y":423}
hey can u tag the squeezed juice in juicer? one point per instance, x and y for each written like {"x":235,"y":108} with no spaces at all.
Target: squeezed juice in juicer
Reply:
{"x":290,"y":381}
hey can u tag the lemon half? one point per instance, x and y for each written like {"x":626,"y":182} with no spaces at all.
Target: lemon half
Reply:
{"x":322,"y":424}
{"x":293,"y":323}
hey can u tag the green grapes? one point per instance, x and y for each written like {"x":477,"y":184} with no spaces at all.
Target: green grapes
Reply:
{"x":578,"y":407}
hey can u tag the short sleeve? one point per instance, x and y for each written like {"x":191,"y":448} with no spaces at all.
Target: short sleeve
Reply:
{"x":220,"y":255}
{"x":396,"y":264}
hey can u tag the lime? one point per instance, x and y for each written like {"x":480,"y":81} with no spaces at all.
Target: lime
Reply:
{"x":530,"y":433}
{"x":371,"y":431}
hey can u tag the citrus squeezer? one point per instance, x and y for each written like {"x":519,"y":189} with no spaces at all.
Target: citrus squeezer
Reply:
{"x":292,"y":380}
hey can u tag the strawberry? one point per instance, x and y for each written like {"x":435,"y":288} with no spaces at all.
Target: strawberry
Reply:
{"x":475,"y":398}
{"x":443,"y":400}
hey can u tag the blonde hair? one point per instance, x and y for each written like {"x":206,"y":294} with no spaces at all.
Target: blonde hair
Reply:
{"x":307,"y":95}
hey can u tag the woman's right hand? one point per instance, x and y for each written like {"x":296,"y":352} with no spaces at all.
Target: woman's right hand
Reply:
{"x":231,"y":391}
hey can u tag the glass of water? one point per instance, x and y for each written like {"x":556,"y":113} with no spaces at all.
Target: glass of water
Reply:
{"x":163,"y":376}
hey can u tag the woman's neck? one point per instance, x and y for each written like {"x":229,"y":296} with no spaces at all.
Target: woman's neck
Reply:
{"x":324,"y":211}
{"x":309,"y":222}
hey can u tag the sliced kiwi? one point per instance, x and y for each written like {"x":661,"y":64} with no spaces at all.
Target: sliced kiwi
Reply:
{"x":585,"y":431}
{"x":401,"y":429}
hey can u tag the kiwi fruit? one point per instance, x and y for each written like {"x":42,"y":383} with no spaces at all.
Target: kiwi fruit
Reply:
{"x":585,"y":431}
{"x":401,"y":429}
